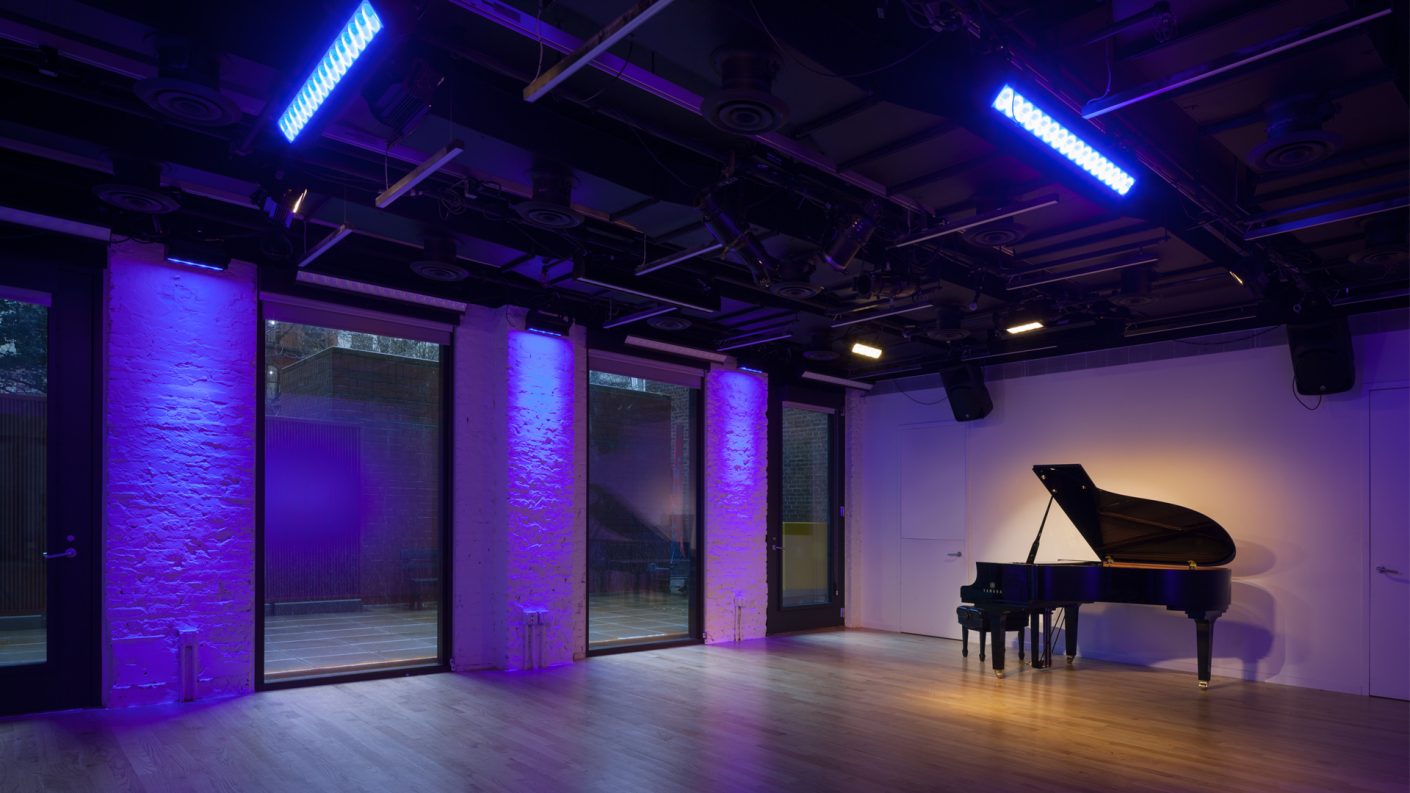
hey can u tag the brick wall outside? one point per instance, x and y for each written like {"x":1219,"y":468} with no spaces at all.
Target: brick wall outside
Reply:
{"x":179,"y":481}
{"x":804,"y":482}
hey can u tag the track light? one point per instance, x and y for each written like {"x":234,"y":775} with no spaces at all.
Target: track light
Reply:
{"x":753,"y":342}
{"x":819,"y":377}
{"x":637,"y":316}
{"x":376,"y":290}
{"x":678,"y":257}
{"x":350,"y":43}
{"x":1017,"y":108}
{"x":852,"y":237}
{"x":866,"y":350}
{"x":1023,"y":281}
{"x":429,"y":166}
{"x":325,"y":244}
{"x":735,"y":237}
{"x":892,"y":312}
{"x":980,"y":219}
{"x":676,"y":349}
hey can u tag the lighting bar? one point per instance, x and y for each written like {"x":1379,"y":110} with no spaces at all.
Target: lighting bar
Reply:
{"x":1222,"y":317}
{"x":1024,"y":327}
{"x":1060,"y":139}
{"x":587,"y":52}
{"x":678,"y":257}
{"x":1021,"y":282}
{"x":1376,"y":208}
{"x":638,"y":316}
{"x":1237,"y":60}
{"x":676,"y":349}
{"x":1236,"y":277}
{"x":980,"y":219}
{"x":199,"y":265}
{"x":986,"y":356}
{"x":51,"y":223}
{"x":866,"y":350}
{"x":363,"y":288}
{"x":586,"y":279}
{"x":895,"y":370}
{"x":752,"y":342}
{"x":324,"y":244}
{"x":350,"y":43}
{"x":431,"y":164}
{"x":819,"y":377}
{"x":1398,"y":294}
{"x":882,"y":315}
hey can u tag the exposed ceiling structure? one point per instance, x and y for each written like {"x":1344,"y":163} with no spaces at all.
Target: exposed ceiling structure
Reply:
{"x":752,"y":176}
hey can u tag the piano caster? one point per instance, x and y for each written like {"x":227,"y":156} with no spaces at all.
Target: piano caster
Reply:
{"x":1203,"y":685}
{"x":1069,"y":659}
{"x":999,"y":673}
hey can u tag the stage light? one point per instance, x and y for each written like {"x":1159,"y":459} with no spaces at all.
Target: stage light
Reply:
{"x":819,"y":377}
{"x":1060,"y":139}
{"x":866,"y":350}
{"x":350,"y":43}
{"x":547,"y":324}
{"x":376,"y":290}
{"x":676,"y":349}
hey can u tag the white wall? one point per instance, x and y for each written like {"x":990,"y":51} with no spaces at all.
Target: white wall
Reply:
{"x":1220,"y":433}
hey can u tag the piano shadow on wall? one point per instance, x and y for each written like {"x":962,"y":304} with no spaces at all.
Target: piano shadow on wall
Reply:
{"x":1128,"y":634}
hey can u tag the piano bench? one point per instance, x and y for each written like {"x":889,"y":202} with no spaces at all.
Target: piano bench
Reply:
{"x":973,"y":618}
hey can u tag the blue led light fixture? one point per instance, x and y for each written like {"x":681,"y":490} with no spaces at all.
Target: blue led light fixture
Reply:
{"x":352,"y":40}
{"x":1060,"y":139}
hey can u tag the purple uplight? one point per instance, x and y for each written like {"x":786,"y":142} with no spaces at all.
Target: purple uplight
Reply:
{"x":542,"y":530}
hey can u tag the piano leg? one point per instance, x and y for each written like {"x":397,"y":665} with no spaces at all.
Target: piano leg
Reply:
{"x":1204,"y":634}
{"x":1070,"y":617}
{"x":997,"y":648}
{"x":1047,"y":649}
{"x":1034,"y":641}
{"x":981,"y":643}
{"x":1020,"y":647}
{"x":964,"y":642}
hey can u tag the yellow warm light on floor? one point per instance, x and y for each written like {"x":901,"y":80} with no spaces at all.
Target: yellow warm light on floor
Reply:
{"x":1025,"y":327}
{"x":866,"y":350}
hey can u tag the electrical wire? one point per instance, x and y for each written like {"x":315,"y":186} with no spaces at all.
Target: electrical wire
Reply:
{"x":1312,"y":406}
{"x":1223,"y":342}
{"x":941,"y":401}
{"x":656,"y":159}
{"x":626,"y":61}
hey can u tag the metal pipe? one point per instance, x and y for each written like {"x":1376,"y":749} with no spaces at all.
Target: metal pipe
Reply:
{"x":1156,"y":10}
{"x":881,"y":315}
{"x":1330,"y":217}
{"x":678,"y":257}
{"x":627,"y":319}
{"x":980,"y":219}
{"x":1021,"y":282}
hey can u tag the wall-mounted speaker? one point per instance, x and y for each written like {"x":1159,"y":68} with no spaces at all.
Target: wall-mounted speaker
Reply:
{"x":1321,"y":356}
{"x":964,"y":386}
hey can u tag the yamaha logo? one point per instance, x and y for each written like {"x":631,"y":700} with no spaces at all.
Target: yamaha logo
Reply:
{"x":993,"y":589}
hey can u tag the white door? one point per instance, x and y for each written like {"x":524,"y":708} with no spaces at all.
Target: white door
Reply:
{"x":1390,"y":548}
{"x":932,"y":500}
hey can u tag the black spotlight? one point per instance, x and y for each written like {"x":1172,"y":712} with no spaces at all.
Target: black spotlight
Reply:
{"x":547,"y":323}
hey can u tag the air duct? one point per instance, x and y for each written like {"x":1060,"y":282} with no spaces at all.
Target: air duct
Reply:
{"x":744,"y":104}
{"x":552,"y":204}
{"x":793,"y":279}
{"x":1385,"y":242}
{"x":1295,"y":135}
{"x":437,"y":262}
{"x":136,"y":187}
{"x":187,"y":85}
{"x":1135,"y":288}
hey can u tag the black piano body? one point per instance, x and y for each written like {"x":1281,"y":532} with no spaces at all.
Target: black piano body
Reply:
{"x":1153,"y":553}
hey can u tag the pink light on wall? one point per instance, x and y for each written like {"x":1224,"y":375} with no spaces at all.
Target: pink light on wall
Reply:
{"x":179,"y":476}
{"x":736,"y":504}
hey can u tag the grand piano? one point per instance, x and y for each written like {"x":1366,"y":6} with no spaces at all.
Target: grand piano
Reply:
{"x":1151,"y":553}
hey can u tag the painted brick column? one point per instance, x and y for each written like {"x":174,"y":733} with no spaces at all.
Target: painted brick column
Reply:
{"x":179,"y":476}
{"x":736,"y":504}
{"x":852,"y":526}
{"x":545,"y":498}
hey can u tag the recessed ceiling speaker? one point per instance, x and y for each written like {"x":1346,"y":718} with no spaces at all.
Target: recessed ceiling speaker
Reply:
{"x":964,"y":387}
{"x":552,"y":204}
{"x":1321,"y":356}
{"x":136,"y":187}
{"x":1135,"y":288}
{"x":744,"y":104}
{"x":996,"y":234}
{"x":793,"y":279}
{"x":438,"y":261}
{"x":669,"y":322}
{"x":1295,"y":135}
{"x":1385,"y":242}
{"x":187,"y":85}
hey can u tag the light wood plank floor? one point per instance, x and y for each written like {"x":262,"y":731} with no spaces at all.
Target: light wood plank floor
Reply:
{"x":854,"y":710}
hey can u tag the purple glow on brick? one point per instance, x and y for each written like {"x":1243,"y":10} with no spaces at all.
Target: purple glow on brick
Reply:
{"x":736,"y":463}
{"x":540,"y":494}
{"x":179,"y":460}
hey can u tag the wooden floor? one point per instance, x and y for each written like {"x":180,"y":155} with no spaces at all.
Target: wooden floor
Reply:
{"x":854,"y":710}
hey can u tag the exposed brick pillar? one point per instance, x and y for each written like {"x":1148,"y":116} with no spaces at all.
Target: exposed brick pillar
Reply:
{"x":736,"y":504}
{"x":179,"y":475}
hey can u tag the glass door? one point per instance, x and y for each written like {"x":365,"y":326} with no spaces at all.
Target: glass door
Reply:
{"x":805,"y":513}
{"x":48,"y":557}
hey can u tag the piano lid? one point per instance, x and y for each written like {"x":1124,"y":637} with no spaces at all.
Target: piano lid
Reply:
{"x":1130,"y":529}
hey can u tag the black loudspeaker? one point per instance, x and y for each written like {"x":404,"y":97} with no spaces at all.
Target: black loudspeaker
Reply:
{"x":1321,"y":356}
{"x":964,"y":386}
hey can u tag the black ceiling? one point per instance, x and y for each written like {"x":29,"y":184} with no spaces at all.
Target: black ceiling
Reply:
{"x":1267,"y":187}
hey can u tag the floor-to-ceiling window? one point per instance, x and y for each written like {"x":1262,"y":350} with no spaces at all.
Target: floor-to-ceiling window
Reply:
{"x":807,"y":505}
{"x":643,"y":514}
{"x":354,"y":497}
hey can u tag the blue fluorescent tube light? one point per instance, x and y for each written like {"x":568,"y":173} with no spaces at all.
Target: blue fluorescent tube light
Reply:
{"x":335,"y":63}
{"x":1061,"y":140}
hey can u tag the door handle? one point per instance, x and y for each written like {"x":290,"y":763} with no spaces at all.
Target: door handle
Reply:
{"x":1387,"y":570}
{"x":777,"y":547}
{"x":67,"y":553}
{"x":954,"y":553}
